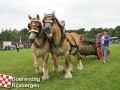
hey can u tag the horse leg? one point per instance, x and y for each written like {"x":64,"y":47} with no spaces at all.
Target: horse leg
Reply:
{"x":79,"y":66}
{"x":38,"y":68}
{"x":45,"y":67}
{"x":56,"y":66}
{"x":71,"y":67}
{"x":68,"y":66}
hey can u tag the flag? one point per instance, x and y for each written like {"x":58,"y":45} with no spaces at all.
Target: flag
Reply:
{"x":5,"y":80}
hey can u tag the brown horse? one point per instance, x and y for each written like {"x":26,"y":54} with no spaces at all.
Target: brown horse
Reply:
{"x":62,"y":44}
{"x":40,"y":45}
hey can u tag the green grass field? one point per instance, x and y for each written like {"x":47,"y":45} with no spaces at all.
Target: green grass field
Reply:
{"x":94,"y":76}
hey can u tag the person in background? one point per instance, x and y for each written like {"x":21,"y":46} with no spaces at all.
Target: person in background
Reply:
{"x":105,"y":38}
{"x":17,"y":47}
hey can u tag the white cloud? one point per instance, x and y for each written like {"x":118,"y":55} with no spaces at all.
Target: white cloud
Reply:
{"x":76,"y":13}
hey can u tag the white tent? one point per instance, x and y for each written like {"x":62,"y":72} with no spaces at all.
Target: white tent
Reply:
{"x":6,"y":43}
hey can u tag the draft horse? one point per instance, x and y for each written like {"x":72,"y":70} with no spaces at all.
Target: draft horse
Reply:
{"x":40,"y":45}
{"x":62,"y":44}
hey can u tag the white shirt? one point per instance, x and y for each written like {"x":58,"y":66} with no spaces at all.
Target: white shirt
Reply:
{"x":102,"y":39}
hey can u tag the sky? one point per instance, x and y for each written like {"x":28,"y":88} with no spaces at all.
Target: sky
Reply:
{"x":76,"y":13}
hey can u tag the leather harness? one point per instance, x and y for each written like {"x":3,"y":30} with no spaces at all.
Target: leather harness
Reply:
{"x":43,"y":42}
{"x":38,"y":32}
{"x":63,"y":36}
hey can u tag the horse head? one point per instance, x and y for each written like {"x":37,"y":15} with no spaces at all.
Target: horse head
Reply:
{"x":35,"y":27}
{"x":49,"y":21}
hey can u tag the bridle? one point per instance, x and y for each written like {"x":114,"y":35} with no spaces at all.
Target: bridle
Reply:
{"x":47,"y":17}
{"x":40,"y":31}
{"x":35,"y":31}
{"x":52,"y":21}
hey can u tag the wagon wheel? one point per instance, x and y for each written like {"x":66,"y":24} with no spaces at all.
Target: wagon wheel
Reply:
{"x":98,"y":46}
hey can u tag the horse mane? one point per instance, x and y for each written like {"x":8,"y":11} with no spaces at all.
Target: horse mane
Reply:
{"x":62,"y":33}
{"x":58,"y":23}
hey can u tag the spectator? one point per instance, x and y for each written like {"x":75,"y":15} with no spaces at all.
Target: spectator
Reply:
{"x":17,"y":47}
{"x":105,"y":38}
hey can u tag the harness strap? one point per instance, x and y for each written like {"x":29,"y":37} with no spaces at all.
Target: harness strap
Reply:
{"x":33,"y":31}
{"x":58,"y":45}
{"x":43,"y":42}
{"x":61,"y":40}
{"x":61,"y":29}
{"x":35,"y":20}
{"x":71,"y":45}
{"x":76,"y":44}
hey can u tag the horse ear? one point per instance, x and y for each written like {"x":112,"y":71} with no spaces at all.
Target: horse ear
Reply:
{"x":29,"y":17}
{"x":45,"y":14}
{"x":53,"y":12}
{"x":29,"y":25}
{"x":38,"y":17}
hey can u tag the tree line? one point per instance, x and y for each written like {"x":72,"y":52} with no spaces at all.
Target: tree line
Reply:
{"x":113,"y":32}
{"x":15,"y":35}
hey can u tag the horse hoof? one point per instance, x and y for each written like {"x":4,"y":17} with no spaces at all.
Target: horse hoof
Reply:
{"x":45,"y":77}
{"x":68,"y":75}
{"x":79,"y":68}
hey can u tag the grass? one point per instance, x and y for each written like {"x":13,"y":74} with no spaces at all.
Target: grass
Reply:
{"x":94,"y":76}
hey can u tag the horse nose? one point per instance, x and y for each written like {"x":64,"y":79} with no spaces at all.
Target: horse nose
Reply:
{"x":32,"y":40}
{"x":47,"y":29}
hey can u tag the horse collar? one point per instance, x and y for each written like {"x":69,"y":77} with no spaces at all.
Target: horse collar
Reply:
{"x":60,"y":43}
{"x":43,"y":42}
{"x":61,"y":40}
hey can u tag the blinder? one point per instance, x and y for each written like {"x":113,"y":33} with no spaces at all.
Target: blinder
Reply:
{"x":35,"y":31}
{"x":48,"y":19}
{"x":52,"y":21}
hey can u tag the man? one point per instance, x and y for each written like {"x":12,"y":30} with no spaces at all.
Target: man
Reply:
{"x":105,"y":38}
{"x":17,"y":47}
